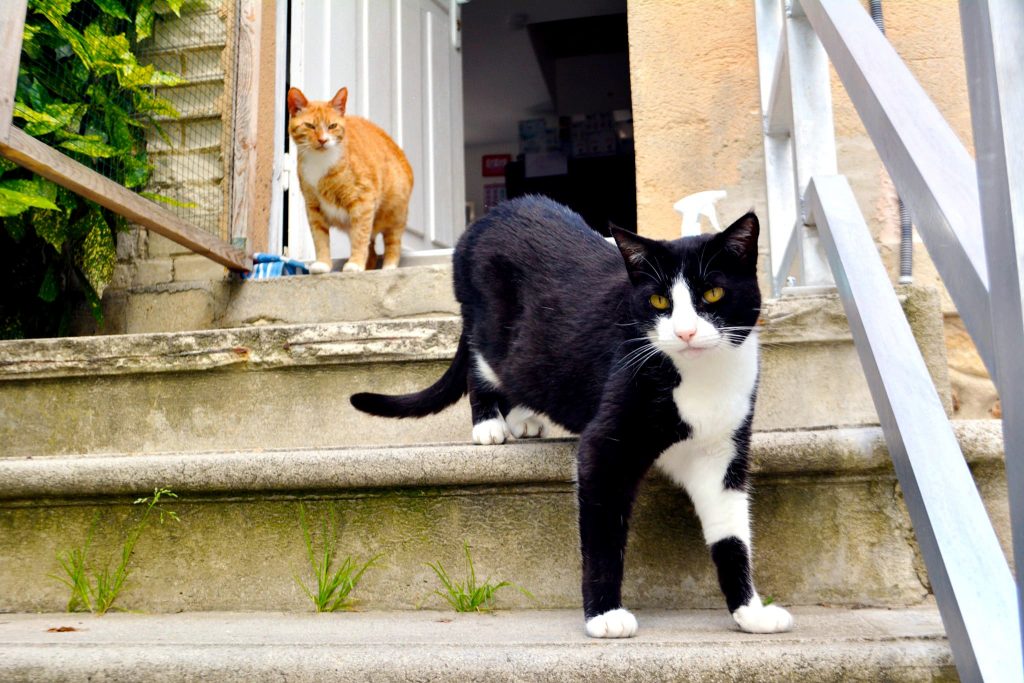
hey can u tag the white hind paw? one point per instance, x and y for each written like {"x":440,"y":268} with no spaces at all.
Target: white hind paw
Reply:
{"x":758,"y":618}
{"x":525,"y":424}
{"x":616,"y":623}
{"x":492,"y":431}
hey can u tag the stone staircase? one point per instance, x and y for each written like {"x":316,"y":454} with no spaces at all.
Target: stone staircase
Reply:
{"x":245,"y":423}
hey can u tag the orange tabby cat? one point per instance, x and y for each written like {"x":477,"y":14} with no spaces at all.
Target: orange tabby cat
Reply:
{"x":353,"y":176}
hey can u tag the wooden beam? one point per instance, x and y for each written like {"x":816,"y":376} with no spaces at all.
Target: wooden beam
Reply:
{"x":40,"y":158}
{"x":12,"y":27}
{"x":244,"y":210}
{"x":259,"y":222}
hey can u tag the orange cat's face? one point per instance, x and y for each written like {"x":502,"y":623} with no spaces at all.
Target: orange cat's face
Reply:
{"x":316,"y":125}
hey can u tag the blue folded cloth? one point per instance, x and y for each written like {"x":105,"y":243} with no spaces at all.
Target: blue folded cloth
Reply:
{"x":267,"y":266}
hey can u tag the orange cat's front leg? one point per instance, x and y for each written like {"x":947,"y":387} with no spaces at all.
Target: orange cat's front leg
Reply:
{"x":321,"y":233}
{"x":360,"y":235}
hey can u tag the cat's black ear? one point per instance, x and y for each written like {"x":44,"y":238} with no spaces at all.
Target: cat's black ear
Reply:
{"x":637,"y":251}
{"x":740,"y":239}
{"x":296,"y":101}
{"x":339,"y":100}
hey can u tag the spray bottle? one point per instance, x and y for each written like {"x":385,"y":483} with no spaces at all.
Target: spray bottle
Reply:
{"x":693,"y":206}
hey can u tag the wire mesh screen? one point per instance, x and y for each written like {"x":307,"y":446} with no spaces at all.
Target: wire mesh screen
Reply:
{"x":134,"y":89}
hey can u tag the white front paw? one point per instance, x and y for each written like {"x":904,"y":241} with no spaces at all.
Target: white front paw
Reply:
{"x":758,"y":618}
{"x":352,"y":267}
{"x":616,"y":623}
{"x":493,"y":431}
{"x":319,"y":267}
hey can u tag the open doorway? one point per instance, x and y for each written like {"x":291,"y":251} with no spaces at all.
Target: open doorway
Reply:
{"x":547,"y":107}
{"x":488,"y":98}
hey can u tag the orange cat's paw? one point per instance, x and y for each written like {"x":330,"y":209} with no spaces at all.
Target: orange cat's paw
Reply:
{"x":319,"y":267}
{"x":352,"y":267}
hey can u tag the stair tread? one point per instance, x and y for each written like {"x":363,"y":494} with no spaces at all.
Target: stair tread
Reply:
{"x":801,"y":452}
{"x":503,"y":645}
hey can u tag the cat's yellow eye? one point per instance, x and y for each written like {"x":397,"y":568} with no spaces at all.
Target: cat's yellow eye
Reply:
{"x":309,"y":125}
{"x":332,"y":126}
{"x":714,"y":294}
{"x":658,"y":301}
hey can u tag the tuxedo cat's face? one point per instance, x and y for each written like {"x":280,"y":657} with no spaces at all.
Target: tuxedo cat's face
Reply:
{"x":317,"y":126}
{"x":695,"y":295}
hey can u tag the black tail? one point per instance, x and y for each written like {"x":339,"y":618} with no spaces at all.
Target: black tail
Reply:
{"x":433,"y":399}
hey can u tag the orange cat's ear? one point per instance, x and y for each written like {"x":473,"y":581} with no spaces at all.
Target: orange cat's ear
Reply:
{"x":296,"y":101}
{"x":339,"y":101}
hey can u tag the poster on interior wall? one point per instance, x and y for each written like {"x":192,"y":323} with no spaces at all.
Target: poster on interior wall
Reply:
{"x":494,"y":164}
{"x":494,"y":194}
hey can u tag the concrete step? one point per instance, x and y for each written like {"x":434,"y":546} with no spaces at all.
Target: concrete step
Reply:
{"x":406,"y":292}
{"x":287,"y":386}
{"x":829,"y":523}
{"x":549,"y":645}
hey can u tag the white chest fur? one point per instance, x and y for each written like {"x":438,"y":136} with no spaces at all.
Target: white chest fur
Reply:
{"x":714,"y":399}
{"x":313,"y":166}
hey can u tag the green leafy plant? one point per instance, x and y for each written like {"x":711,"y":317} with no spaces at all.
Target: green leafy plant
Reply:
{"x":468,"y":595}
{"x":82,"y":90}
{"x":96,"y":590}
{"x":333,"y":586}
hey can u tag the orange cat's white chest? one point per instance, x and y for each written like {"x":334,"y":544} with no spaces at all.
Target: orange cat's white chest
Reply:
{"x":313,"y":166}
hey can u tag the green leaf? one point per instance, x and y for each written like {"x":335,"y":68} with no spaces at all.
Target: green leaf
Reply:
{"x":97,"y":256}
{"x":90,"y":145}
{"x":113,"y":7}
{"x":107,"y":53}
{"x":28,"y":40}
{"x":53,"y":117}
{"x":59,"y":8}
{"x":154,"y":104}
{"x":52,"y":226}
{"x":17,"y":196}
{"x":49,"y":289}
{"x":144,"y":19}
{"x":7,"y":165}
{"x":175,"y":6}
{"x":55,"y":11}
{"x":34,"y":91}
{"x":136,"y":172}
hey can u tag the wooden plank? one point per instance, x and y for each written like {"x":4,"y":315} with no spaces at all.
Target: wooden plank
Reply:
{"x":12,"y":25}
{"x":244,"y":210}
{"x":40,"y":158}
{"x":258,"y":232}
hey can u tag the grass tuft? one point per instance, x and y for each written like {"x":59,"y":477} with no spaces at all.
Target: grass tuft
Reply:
{"x":469,"y":596}
{"x":96,"y":591}
{"x":333,"y":586}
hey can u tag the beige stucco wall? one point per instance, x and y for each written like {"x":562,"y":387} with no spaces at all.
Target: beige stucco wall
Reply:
{"x":697,"y":119}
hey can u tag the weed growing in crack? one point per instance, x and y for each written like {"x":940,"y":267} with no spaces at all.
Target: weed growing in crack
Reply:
{"x":332,"y":585}
{"x":96,"y":590}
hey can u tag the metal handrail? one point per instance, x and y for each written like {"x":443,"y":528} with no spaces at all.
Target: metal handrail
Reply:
{"x":982,"y":266}
{"x":969,"y":576}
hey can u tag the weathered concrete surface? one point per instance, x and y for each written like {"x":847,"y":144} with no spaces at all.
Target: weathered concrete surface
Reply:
{"x":415,"y":291}
{"x":827,"y":645}
{"x":829,"y":522}
{"x":198,"y":390}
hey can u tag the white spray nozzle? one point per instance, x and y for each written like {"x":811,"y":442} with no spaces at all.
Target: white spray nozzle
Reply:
{"x":693,"y":206}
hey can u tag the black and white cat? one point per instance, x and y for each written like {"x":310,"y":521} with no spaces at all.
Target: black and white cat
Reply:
{"x":646,"y":352}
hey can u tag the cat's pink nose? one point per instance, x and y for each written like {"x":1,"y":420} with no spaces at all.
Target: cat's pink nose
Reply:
{"x":322,"y":141}
{"x":687,"y":335}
